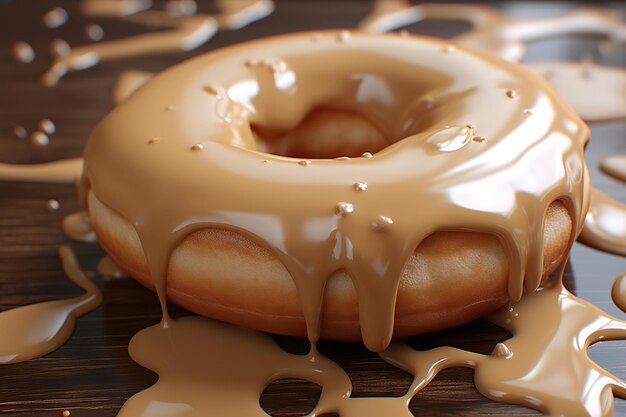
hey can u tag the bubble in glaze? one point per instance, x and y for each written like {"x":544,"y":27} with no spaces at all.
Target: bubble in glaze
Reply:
{"x":304,"y":163}
{"x":360,"y":186}
{"x":197,"y":147}
{"x":212,"y":90}
{"x":382,"y":223}
{"x":344,"y":208}
{"x":344,"y":36}
{"x":451,"y":138}
{"x":512,"y":94}
{"x":501,"y":350}
{"x":448,"y":49}
{"x":479,"y":139}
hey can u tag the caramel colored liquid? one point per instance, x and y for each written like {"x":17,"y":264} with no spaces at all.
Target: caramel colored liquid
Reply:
{"x":183,"y":33}
{"x":211,"y":368}
{"x":35,"y":330}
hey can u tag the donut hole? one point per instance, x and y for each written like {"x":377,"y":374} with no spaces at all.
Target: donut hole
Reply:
{"x":343,"y":104}
{"x":324,"y":133}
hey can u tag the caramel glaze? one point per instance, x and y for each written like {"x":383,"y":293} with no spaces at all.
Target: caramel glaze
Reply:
{"x":127,"y":83}
{"x":493,"y":31}
{"x":211,"y":368}
{"x":605,"y":224}
{"x":77,"y":226}
{"x":37,"y":329}
{"x":594,"y":91}
{"x":63,"y":171}
{"x":615,"y":166}
{"x":185,"y":32}
{"x":426,"y":99}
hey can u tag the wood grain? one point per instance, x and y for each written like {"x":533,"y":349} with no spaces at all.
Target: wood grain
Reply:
{"x":92,"y":375}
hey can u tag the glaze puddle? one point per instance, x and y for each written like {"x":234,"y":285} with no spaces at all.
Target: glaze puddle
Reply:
{"x":37,"y":329}
{"x":109,"y":269}
{"x":605,"y":224}
{"x":63,"y":171}
{"x":211,"y":368}
{"x":184,"y":32}
{"x":78,"y":227}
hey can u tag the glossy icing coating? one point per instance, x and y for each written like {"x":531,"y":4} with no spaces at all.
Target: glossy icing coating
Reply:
{"x":273,"y":84}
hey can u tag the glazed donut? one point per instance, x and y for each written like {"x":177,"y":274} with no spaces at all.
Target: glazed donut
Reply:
{"x":339,"y":184}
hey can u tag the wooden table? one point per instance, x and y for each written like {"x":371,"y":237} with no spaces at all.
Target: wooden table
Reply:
{"x":92,"y":375}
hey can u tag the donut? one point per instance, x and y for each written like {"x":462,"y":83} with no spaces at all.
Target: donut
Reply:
{"x":338,"y":184}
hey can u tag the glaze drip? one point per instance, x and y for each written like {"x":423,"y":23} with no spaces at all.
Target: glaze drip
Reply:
{"x":185,"y":32}
{"x":373,"y":241}
{"x":492,"y":30}
{"x":35,"y":330}
{"x":552,"y":330}
{"x":63,"y":171}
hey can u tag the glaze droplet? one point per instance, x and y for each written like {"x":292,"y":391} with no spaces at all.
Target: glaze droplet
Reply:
{"x":66,"y":413}
{"x":382,"y":223}
{"x":344,"y":36}
{"x":47,"y":126}
{"x":55,"y":18}
{"x":197,"y":147}
{"x":212,"y":90}
{"x":451,"y":138}
{"x":23,"y":52}
{"x":448,"y":49}
{"x":59,"y":48}
{"x":512,"y":94}
{"x":618,"y":292}
{"x":343,"y":158}
{"x":344,"y":208}
{"x":52,"y":205}
{"x":39,"y":139}
{"x":502,"y":351}
{"x":94,"y":32}
{"x":366,"y":155}
{"x":304,"y":163}
{"x":360,"y":186}
{"x":181,"y":7}
{"x":20,"y":132}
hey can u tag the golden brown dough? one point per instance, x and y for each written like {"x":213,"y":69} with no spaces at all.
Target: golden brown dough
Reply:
{"x":451,"y":278}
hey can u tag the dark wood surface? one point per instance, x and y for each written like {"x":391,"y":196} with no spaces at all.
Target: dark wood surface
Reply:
{"x":92,"y":375}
